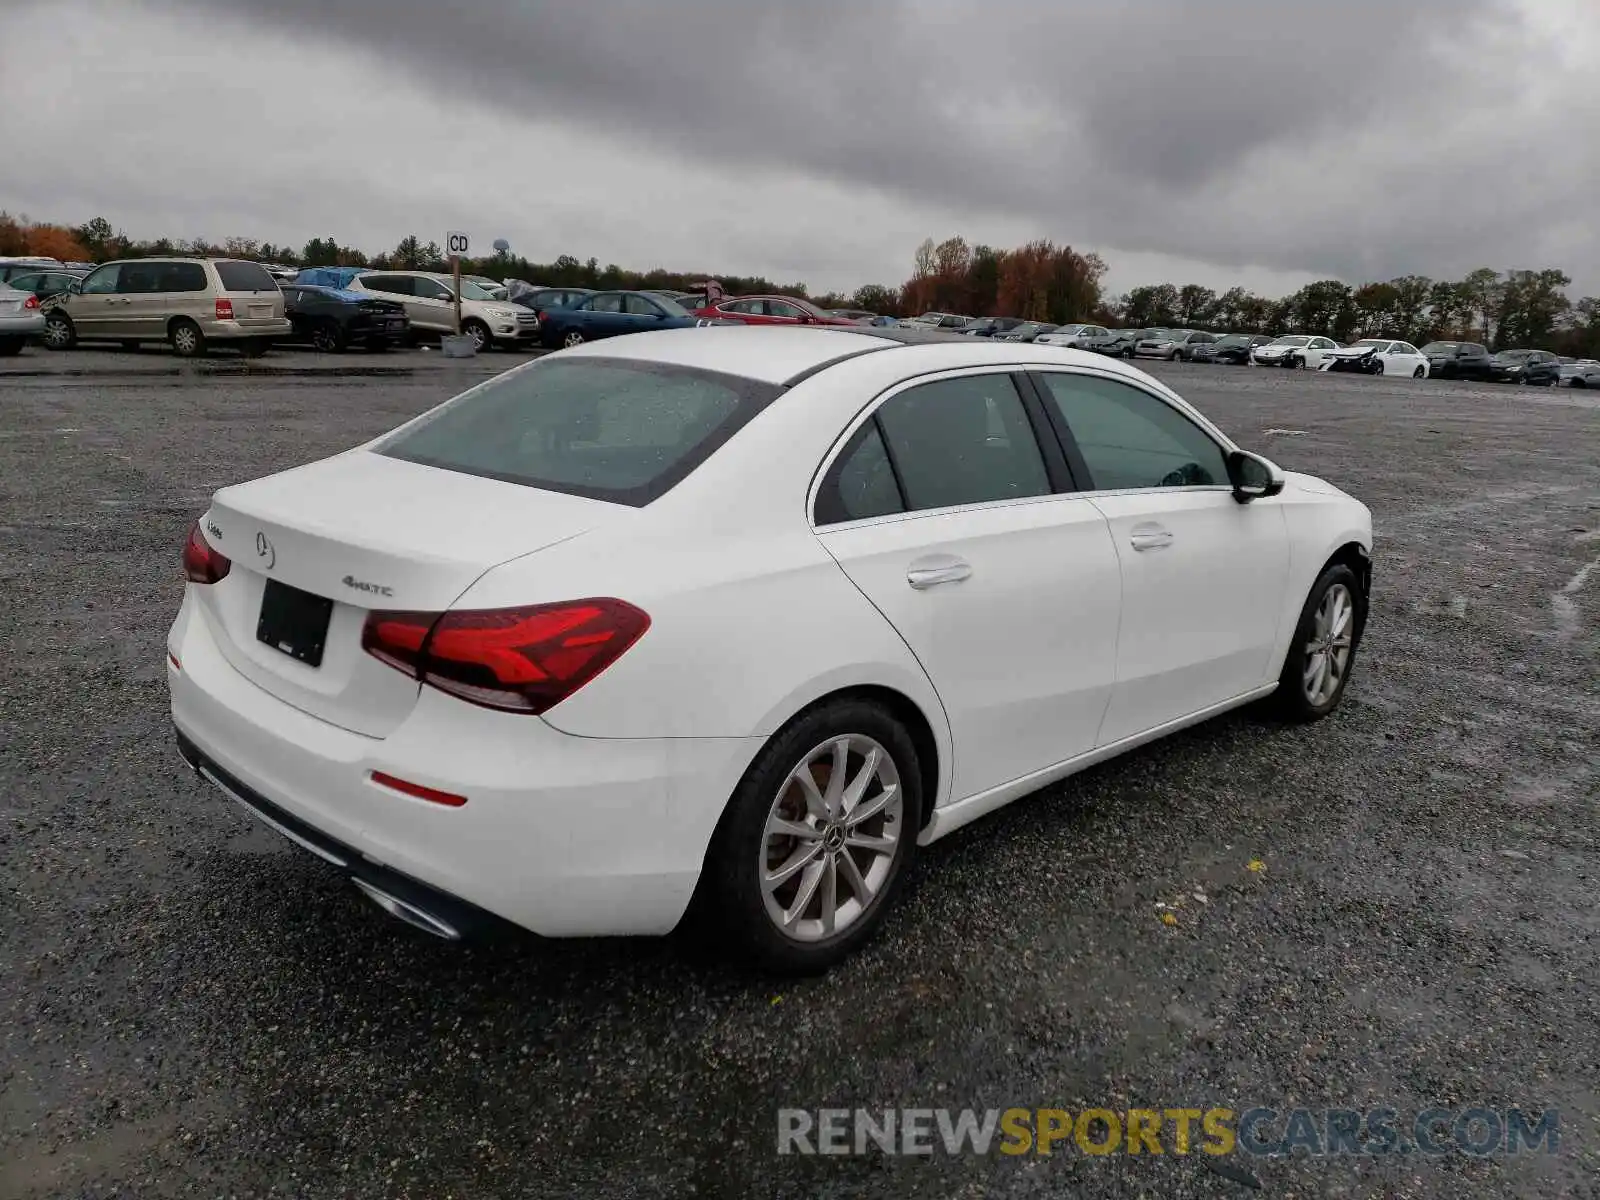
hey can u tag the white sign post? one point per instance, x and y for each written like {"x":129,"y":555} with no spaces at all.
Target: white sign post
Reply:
{"x":456,"y":245}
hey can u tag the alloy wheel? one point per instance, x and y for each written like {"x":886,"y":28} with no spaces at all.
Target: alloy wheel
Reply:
{"x":185,"y":340}
{"x":829,"y":844}
{"x":1327,"y":654}
{"x":324,"y":339}
{"x":573,"y":339}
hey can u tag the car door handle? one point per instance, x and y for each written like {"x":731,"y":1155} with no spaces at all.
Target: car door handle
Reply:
{"x":1150,"y":539}
{"x":927,"y":577}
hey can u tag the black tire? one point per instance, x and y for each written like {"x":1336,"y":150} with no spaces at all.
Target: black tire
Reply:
{"x":11,"y":347}
{"x":59,"y":332}
{"x":1291,"y":698}
{"x":1377,"y":368}
{"x":1296,"y":363}
{"x":328,"y":337}
{"x":1127,"y":352}
{"x":573,"y":337}
{"x":730,"y":897}
{"x":1419,"y":372}
{"x":186,"y":338}
{"x":130,"y":347}
{"x":479,"y":333}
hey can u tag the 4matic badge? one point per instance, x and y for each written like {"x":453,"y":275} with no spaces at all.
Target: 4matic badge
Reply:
{"x":361,"y":585}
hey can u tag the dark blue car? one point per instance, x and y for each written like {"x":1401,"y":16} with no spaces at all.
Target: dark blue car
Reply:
{"x":607,"y":314}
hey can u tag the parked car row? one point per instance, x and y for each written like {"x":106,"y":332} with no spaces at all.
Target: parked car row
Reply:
{"x":195,"y":303}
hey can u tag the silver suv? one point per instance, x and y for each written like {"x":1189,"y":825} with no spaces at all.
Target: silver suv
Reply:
{"x":429,"y":299}
{"x":189,"y":302}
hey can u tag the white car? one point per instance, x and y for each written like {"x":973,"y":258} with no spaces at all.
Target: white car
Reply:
{"x":743,"y":616}
{"x":429,"y":300}
{"x":1296,"y":350}
{"x":1070,"y":335}
{"x":1377,"y":356}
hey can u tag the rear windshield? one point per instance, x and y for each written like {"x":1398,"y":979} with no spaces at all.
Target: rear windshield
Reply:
{"x":609,"y":429}
{"x":245,"y":277}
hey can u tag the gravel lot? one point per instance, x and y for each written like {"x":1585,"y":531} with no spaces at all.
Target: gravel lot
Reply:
{"x":191,"y":1006}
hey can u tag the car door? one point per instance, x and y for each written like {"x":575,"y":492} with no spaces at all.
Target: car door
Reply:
{"x":180,"y":289}
{"x":1202,"y":574}
{"x":781,"y":312}
{"x":92,"y":308}
{"x":603,"y":316}
{"x":956,"y":521}
{"x":642,"y":312}
{"x":431,"y":305}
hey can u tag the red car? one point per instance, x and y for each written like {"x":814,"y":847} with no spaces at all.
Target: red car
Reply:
{"x":771,"y":310}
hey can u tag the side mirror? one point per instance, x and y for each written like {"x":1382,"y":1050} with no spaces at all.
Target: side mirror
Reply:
{"x":1253,"y":477}
{"x":75,"y":286}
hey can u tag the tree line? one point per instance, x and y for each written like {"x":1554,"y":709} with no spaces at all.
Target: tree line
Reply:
{"x":1040,"y":281}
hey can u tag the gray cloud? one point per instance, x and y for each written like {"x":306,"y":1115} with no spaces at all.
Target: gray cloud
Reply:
{"x":1357,"y":139}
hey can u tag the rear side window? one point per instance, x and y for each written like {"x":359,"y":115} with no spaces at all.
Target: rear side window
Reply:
{"x":962,"y":441}
{"x":181,"y":277}
{"x":610,"y":429}
{"x":861,"y":482}
{"x":238,"y":276}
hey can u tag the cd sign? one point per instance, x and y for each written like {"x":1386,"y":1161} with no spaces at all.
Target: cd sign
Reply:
{"x":455,"y":242}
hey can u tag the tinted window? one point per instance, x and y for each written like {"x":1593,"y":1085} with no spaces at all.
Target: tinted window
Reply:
{"x":398,"y":285}
{"x":608,"y":428}
{"x":963,"y":441}
{"x":861,"y":482}
{"x":431,"y":289}
{"x":186,"y":277}
{"x":641,"y":306}
{"x":240,"y":276}
{"x":100,"y":282}
{"x":606,"y":302}
{"x":1131,"y":439}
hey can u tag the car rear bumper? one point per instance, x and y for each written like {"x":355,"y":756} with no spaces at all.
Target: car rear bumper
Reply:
{"x":562,"y":835}
{"x":24,"y":325}
{"x":264,"y":327}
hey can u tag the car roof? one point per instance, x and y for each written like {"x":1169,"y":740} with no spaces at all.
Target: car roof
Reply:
{"x":785,"y":355}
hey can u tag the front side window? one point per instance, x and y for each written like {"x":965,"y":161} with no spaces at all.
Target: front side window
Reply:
{"x":102,"y":282}
{"x":610,"y":429}
{"x":1132,"y":439}
{"x":780,"y":308}
{"x":962,"y":441}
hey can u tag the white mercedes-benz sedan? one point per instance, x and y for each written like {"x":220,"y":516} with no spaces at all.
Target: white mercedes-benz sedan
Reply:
{"x":724,"y":623}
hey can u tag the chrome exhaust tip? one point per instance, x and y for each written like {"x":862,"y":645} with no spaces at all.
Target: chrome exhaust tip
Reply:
{"x":403,"y":910}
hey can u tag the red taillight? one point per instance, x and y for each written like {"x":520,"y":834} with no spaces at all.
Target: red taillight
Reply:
{"x":524,"y":660}
{"x":202,"y":564}
{"x":31,"y":302}
{"x":420,"y":791}
{"x":224,"y":310}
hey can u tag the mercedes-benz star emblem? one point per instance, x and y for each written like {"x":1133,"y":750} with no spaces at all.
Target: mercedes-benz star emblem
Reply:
{"x":265,"y":550}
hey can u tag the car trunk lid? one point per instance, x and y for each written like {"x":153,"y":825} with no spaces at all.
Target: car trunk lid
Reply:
{"x":315,"y":549}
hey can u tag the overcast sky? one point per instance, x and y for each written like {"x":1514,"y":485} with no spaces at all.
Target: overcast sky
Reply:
{"x":1261,"y":142}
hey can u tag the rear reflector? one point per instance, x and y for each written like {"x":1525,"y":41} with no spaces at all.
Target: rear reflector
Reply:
{"x":523,"y":660}
{"x":31,"y":302}
{"x":202,"y":564}
{"x":224,"y":310}
{"x":433,"y":795}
